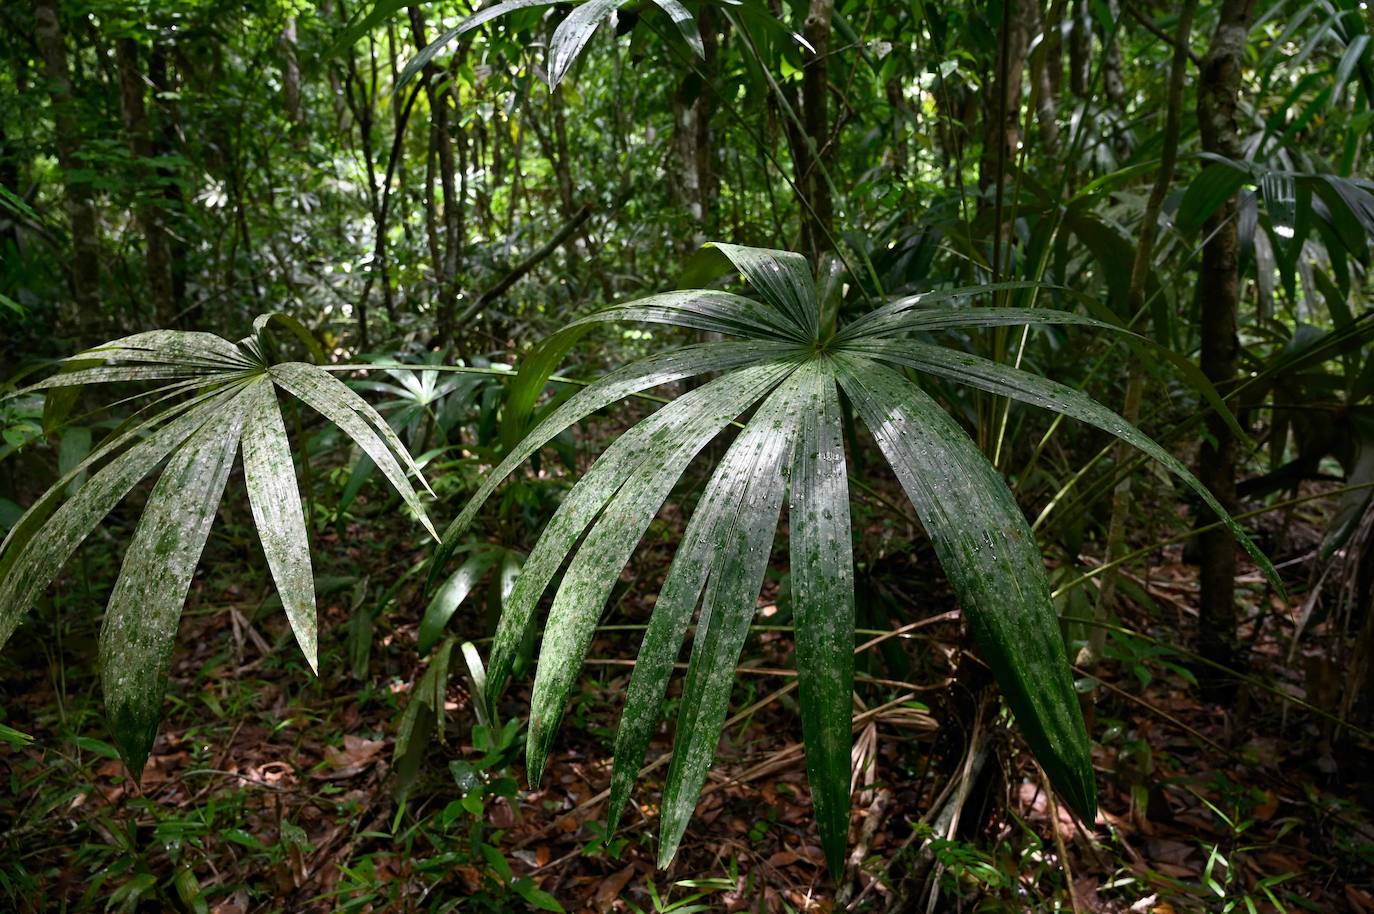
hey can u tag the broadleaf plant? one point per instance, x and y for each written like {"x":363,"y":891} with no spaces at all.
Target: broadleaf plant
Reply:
{"x":219,"y":396}
{"x":791,"y":373}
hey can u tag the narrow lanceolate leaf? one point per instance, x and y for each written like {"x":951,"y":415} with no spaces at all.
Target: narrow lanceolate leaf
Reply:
{"x":902,"y":321}
{"x":477,"y":676}
{"x":172,"y":347}
{"x":451,"y":595}
{"x":742,"y":545}
{"x":783,"y":278}
{"x":687,"y":575}
{"x":291,"y":325}
{"x":29,"y":561}
{"x":141,"y":619}
{"x":332,"y":399}
{"x":822,"y":565}
{"x":701,"y":309}
{"x":706,"y":309}
{"x":990,"y":556}
{"x":573,"y":33}
{"x":594,"y":570}
{"x":319,"y":379}
{"x":686,"y":25}
{"x":32,"y":520}
{"x":637,"y":451}
{"x":928,"y":320}
{"x":867,"y":324}
{"x":113,"y":373}
{"x":276,"y":503}
{"x":690,"y":361}
{"x":437,"y":46}
{"x":1028,"y":388}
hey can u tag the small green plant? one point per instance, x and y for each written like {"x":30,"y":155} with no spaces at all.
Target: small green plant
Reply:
{"x":218,"y":397}
{"x":793,"y":368}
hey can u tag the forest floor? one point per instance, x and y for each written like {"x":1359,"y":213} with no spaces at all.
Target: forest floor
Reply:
{"x":271,"y":790}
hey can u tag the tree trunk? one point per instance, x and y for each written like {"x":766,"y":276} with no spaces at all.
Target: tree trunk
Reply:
{"x":1113,"y":83}
{"x":166,"y":140}
{"x":1002,"y":105}
{"x":291,"y":75}
{"x":447,"y":279}
{"x":9,"y":179}
{"x":693,"y":104}
{"x":1135,"y":304}
{"x":139,"y":133}
{"x":85,"y":274}
{"x":818,"y":216}
{"x":1219,"y":294}
{"x":1080,"y":50}
{"x":1002,"y":122}
{"x":1050,"y":74}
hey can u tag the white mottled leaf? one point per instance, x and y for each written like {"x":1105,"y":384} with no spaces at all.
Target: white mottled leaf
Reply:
{"x":270,"y":475}
{"x":141,"y":620}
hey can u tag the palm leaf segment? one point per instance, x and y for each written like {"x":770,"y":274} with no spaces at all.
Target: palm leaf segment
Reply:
{"x":790,"y":449}
{"x":222,"y":396}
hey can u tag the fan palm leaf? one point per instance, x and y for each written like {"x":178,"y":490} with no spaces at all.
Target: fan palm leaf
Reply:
{"x":792,"y":377}
{"x":232,"y":404}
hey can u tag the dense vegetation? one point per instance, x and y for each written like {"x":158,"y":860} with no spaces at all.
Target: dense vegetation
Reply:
{"x":943,"y":433}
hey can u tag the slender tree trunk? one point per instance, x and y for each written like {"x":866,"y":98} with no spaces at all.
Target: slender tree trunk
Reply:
{"x":1080,"y":49}
{"x":1002,"y":126}
{"x":85,"y":273}
{"x":1135,"y":304}
{"x":139,"y":132}
{"x":436,"y":257}
{"x":9,"y":179}
{"x":1002,"y":105}
{"x":817,"y":220}
{"x":166,"y":139}
{"x":362,"y":109}
{"x":454,"y":201}
{"x":693,"y":105}
{"x":291,"y":74}
{"x":1049,"y":70}
{"x":562,"y":162}
{"x":1112,"y":81}
{"x":900,"y":145}
{"x":1219,"y":293}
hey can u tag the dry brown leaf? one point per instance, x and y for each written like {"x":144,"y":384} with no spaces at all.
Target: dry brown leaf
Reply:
{"x":357,"y":756}
{"x":611,"y":887}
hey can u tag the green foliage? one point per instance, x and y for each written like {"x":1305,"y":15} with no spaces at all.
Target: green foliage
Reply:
{"x":233,"y":403}
{"x":791,"y":376}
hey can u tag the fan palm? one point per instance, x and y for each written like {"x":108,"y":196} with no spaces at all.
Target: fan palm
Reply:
{"x":232,"y":401}
{"x":791,"y":372}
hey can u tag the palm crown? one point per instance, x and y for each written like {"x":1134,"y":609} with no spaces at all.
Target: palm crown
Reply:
{"x":232,"y":402}
{"x":791,"y":373}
